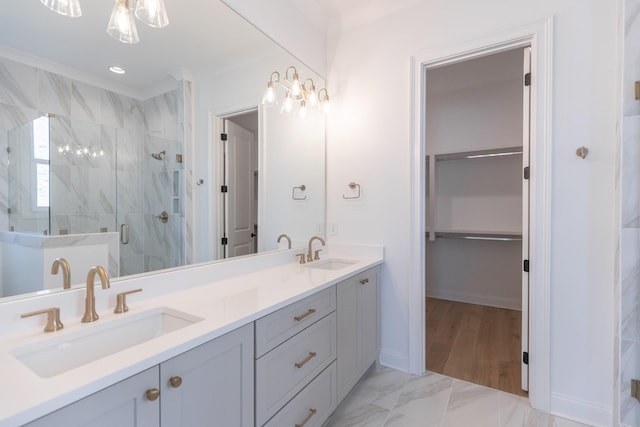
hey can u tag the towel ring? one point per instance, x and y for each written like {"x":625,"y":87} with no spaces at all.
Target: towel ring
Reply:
{"x":301,"y":188}
{"x":353,"y":186}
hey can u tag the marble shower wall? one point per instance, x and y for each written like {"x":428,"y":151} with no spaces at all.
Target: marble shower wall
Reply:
{"x":628,"y":333}
{"x":85,"y":196}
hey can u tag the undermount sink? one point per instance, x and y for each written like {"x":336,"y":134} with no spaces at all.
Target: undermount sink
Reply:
{"x":56,"y":355}
{"x":332,"y":264}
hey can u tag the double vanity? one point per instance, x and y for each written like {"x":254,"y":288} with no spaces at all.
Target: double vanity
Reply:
{"x":257,"y":341}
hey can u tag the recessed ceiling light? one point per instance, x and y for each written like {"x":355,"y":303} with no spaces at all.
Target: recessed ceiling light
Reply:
{"x":117,"y":70}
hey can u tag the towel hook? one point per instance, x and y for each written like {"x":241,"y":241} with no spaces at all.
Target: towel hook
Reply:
{"x":301,"y":188}
{"x":353,"y":186}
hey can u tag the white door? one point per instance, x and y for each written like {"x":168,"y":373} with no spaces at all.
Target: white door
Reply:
{"x":526,"y":133}
{"x":239,"y":197}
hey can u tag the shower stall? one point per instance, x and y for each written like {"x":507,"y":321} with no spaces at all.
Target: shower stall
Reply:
{"x":67,"y":176}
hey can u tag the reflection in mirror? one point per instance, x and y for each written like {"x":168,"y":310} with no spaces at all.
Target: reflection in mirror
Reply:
{"x":100,"y":168}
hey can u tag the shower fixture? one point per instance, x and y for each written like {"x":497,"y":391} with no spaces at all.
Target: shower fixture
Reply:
{"x":159,"y":156}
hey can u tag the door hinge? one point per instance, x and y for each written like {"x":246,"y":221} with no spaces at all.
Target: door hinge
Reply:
{"x":224,"y":189}
{"x":527,"y":79}
{"x":526,"y":172}
{"x":635,"y":389}
{"x":525,"y":266}
{"x":8,"y":149}
{"x":525,"y":357}
{"x":225,"y":241}
{"x":223,"y":136}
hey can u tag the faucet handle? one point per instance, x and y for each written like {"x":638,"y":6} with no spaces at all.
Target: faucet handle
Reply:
{"x":121,"y":301}
{"x":53,"y":318}
{"x":316,"y":256}
{"x":301,"y":256}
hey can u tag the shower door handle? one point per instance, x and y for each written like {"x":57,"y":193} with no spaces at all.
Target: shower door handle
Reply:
{"x":124,"y":234}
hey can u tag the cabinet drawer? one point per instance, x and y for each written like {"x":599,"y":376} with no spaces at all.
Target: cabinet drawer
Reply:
{"x":313,"y":404}
{"x":277,"y":327}
{"x":285,"y":370}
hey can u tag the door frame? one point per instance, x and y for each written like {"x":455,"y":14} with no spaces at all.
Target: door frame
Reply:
{"x":539,"y":38}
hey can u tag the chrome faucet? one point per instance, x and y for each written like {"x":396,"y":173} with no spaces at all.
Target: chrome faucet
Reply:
{"x":90,"y":314}
{"x":309,"y":255}
{"x":66,"y":271}
{"x":286,"y":237}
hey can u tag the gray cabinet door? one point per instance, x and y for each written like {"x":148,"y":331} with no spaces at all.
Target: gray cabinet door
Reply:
{"x":215,"y":386}
{"x":123,"y":404}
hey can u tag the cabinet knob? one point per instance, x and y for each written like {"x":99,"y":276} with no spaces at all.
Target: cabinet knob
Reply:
{"x":364,"y":281}
{"x":175,"y":382}
{"x":152,"y":394}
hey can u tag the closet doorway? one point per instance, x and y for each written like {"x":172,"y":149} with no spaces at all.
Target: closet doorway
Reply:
{"x":477,"y":219}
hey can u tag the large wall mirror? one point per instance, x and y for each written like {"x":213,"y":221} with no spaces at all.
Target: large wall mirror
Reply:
{"x":127,"y":170}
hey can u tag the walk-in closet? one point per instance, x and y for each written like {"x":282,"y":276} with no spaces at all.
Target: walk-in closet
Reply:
{"x":476,"y":204}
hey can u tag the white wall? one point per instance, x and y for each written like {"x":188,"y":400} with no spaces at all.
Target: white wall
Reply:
{"x":288,"y":26}
{"x":369,"y":142}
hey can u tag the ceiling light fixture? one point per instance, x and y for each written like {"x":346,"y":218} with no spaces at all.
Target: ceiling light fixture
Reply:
{"x":302,"y":94}
{"x":117,"y":70}
{"x":70,"y":8}
{"x":122,"y":25}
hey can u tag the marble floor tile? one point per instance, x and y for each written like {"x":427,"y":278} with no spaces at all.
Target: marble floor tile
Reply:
{"x":354,"y":412}
{"x":425,"y":398}
{"x":471,"y":404}
{"x":381,"y":386}
{"x":388,"y":398}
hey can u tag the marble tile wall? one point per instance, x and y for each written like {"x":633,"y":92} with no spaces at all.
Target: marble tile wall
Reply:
{"x":126,"y":131}
{"x":628,"y":330}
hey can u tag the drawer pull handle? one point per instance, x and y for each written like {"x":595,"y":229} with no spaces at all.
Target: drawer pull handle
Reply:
{"x":175,"y":381}
{"x":364,"y":281}
{"x":304,"y":362}
{"x":312,"y":412}
{"x":302,"y":316}
{"x":152,"y":394}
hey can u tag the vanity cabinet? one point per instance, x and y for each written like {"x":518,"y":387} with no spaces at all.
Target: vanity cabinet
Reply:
{"x":358,"y":333}
{"x":209,"y":385}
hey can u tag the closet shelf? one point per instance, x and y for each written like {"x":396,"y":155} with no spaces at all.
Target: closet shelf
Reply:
{"x":505,"y":236}
{"x":479,"y":154}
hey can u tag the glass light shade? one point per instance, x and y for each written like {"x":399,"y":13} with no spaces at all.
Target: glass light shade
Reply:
{"x":152,"y":12}
{"x":326,"y":105}
{"x":303,"y":109}
{"x":69,"y":8}
{"x":295,"y":86}
{"x":269,"y":97}
{"x":288,"y":103}
{"x":313,"y":97}
{"x":122,"y":25}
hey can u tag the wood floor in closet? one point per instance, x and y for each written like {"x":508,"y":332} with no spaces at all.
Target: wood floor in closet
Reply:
{"x":474,"y":343}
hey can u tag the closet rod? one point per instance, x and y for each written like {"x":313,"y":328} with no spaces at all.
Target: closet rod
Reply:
{"x":491,"y":152}
{"x":480,"y":236}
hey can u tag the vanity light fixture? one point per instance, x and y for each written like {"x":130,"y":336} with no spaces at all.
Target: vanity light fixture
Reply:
{"x":122,"y":25}
{"x":302,"y":94}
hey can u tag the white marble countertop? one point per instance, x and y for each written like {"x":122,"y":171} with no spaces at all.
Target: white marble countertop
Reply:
{"x":224,"y":305}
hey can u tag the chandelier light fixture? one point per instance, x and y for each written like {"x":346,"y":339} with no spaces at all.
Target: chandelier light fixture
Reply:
{"x":122,"y":25}
{"x":297,"y":93}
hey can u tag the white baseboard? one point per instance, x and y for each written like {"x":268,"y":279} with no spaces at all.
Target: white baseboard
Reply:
{"x":394,"y":360}
{"x":470,"y":298}
{"x":589,"y":413}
